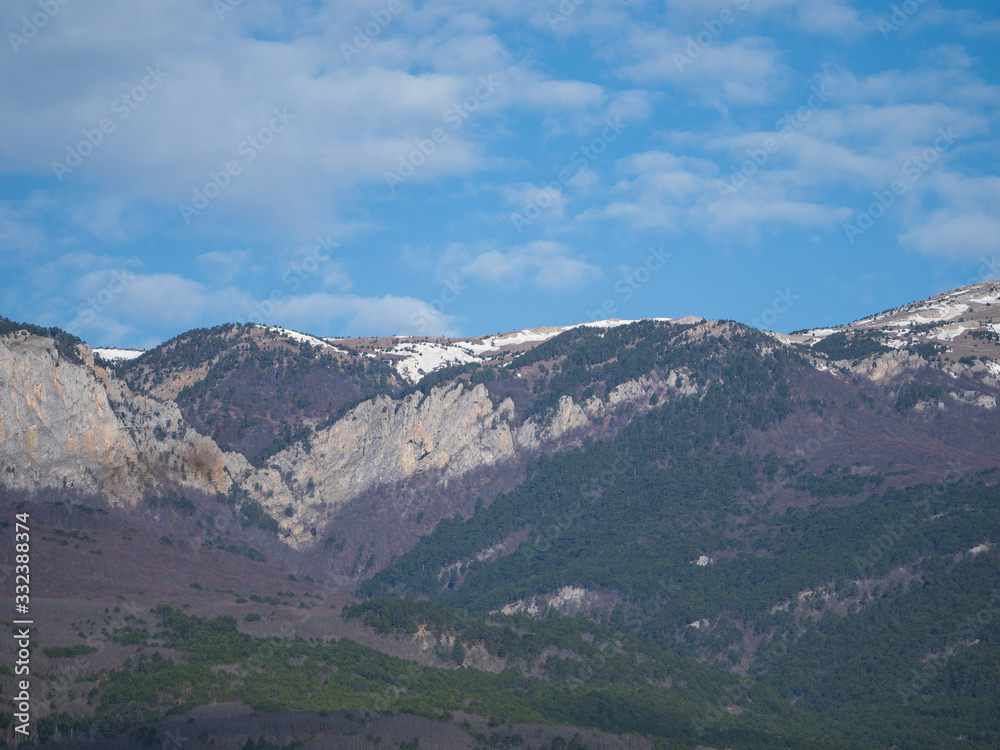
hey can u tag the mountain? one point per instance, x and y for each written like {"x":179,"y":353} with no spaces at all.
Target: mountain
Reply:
{"x":655,"y":533}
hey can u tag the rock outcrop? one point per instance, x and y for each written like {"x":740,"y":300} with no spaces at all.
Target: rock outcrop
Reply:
{"x":451,"y":432}
{"x":76,"y":425}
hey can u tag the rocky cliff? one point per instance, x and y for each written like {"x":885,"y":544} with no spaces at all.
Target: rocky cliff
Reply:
{"x":453,"y":431}
{"x":66,"y":423}
{"x":76,"y":425}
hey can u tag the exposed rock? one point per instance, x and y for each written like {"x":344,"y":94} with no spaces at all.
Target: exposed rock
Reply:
{"x":887,"y":366}
{"x":451,"y":432}
{"x":568,"y":601}
{"x":65,"y":424}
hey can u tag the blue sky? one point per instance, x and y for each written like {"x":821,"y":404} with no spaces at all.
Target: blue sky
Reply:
{"x":437,"y":167}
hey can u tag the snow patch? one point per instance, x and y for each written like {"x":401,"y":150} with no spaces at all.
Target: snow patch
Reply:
{"x":301,"y":338}
{"x":423,"y":358}
{"x":950,"y":334}
{"x":117,"y":355}
{"x":544,"y":333}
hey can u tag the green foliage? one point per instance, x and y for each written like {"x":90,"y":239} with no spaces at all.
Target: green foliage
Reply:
{"x":172,"y":500}
{"x":917,"y":392}
{"x":458,"y":652}
{"x":846,"y":485}
{"x":590,"y":357}
{"x":66,"y":652}
{"x":254,"y":515}
{"x":129,"y":636}
{"x":275,"y":675}
{"x":851,"y":345}
{"x":586,"y":508}
{"x":916,"y":668}
{"x":442,"y":377}
{"x":927,"y":350}
{"x":65,"y":342}
{"x":287,"y":437}
{"x":243,"y":549}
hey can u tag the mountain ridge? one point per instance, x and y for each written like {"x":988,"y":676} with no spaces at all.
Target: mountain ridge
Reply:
{"x":686,"y":513}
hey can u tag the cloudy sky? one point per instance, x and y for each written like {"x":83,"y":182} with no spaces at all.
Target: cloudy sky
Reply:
{"x":441,"y":167}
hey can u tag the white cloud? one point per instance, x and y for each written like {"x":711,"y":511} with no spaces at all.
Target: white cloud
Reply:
{"x":755,"y":209}
{"x":327,"y":314}
{"x":220,"y":84}
{"x":956,"y":234}
{"x":103,"y":219}
{"x":223,"y":266}
{"x":829,"y":18}
{"x":549,"y":199}
{"x":744,"y":71}
{"x":966,"y":226}
{"x":543,"y":264}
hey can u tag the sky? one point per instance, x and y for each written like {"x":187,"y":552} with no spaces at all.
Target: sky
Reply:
{"x":434,"y":167}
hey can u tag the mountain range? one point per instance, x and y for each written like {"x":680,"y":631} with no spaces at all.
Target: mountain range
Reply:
{"x":654,"y":533}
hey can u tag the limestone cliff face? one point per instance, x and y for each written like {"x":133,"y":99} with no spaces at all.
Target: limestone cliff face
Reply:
{"x":65,"y":424}
{"x":449,"y":433}
{"x":78,"y":425}
{"x":888,"y":367}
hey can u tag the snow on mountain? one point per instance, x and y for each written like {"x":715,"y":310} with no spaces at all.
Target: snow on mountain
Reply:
{"x":419,"y":359}
{"x":956,"y":325}
{"x":116,"y":355}
{"x":302,"y":338}
{"x":413,"y":360}
{"x":932,"y":316}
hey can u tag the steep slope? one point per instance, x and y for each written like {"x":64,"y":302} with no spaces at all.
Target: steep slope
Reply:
{"x":955,"y":332}
{"x":456,"y":429}
{"x":692,"y":530}
{"x":255,"y":388}
{"x":67,"y":422}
